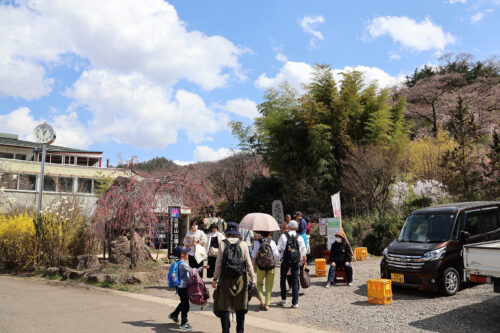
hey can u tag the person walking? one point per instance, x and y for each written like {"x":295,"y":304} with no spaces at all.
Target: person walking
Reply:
{"x":291,"y":246}
{"x":193,"y":238}
{"x":215,"y":238}
{"x":340,"y":255}
{"x":302,"y":226}
{"x":183,"y":273}
{"x":247,"y":236}
{"x":265,"y":256}
{"x":233,"y":273}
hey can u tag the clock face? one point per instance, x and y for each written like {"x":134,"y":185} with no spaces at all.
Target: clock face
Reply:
{"x":44,"y":133}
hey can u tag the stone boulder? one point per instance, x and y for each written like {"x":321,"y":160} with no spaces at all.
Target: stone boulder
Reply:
{"x":51,"y":271}
{"x":139,"y":277}
{"x":120,"y":250}
{"x":72,"y":274}
{"x":111,"y":278}
{"x":86,"y":261}
{"x":96,"y":278}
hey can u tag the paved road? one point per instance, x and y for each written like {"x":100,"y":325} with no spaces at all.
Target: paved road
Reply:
{"x":36,"y":305}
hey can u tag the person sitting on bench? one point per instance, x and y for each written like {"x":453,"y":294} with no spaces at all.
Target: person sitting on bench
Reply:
{"x":340,"y":255}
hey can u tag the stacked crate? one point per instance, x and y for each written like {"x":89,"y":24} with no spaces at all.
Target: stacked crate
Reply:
{"x":320,"y":267}
{"x":379,"y":291}
{"x":361,"y":253}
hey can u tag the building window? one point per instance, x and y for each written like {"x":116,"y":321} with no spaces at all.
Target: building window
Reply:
{"x":27,"y":182}
{"x":8,"y":181}
{"x":6,"y":155}
{"x":83,"y":161}
{"x":69,"y":160}
{"x":84,"y":185}
{"x":56,"y":159}
{"x":20,"y":157}
{"x":49,"y":184}
{"x":93,"y":162}
{"x":65,"y":184}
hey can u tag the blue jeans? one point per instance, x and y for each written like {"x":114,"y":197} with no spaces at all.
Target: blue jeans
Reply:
{"x":294,"y":280}
{"x":333,"y":269}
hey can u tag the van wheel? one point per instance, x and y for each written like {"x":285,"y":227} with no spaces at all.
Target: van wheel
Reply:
{"x":450,"y":282}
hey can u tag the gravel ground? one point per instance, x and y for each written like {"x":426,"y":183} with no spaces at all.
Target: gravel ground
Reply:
{"x":344,"y":308}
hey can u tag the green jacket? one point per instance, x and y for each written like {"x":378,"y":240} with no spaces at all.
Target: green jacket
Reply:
{"x":231,"y":294}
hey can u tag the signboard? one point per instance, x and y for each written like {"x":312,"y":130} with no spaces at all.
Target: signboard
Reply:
{"x":333,"y":226}
{"x":185,"y":211}
{"x":278,"y":215}
{"x":174,"y":212}
{"x":322,"y":227}
{"x":174,"y":233}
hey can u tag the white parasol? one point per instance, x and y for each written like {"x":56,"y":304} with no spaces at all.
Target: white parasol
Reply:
{"x":259,"y":222}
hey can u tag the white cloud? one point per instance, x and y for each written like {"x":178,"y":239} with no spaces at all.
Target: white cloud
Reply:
{"x":309,"y":24}
{"x":243,"y":107}
{"x":70,"y":132}
{"x":20,"y":78}
{"x":205,"y":153}
{"x":420,"y":36}
{"x":300,"y":73}
{"x":124,"y":36}
{"x":183,"y":163}
{"x":479,"y":16}
{"x":295,"y":73}
{"x":456,"y":1}
{"x":134,"y":110}
{"x":394,"y":55}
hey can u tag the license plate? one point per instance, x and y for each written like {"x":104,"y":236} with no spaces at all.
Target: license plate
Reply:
{"x":398,"y":278}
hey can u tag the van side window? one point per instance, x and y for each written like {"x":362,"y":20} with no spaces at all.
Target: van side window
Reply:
{"x":490,"y":220}
{"x":459,"y":226}
{"x":472,"y":223}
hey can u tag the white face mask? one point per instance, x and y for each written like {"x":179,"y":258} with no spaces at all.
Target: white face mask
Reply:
{"x":338,"y":239}
{"x":195,"y":227}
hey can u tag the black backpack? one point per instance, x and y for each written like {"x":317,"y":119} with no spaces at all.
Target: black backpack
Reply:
{"x":233,"y":264}
{"x":291,"y":256}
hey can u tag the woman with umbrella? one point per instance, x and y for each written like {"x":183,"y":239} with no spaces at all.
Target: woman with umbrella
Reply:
{"x":265,"y":254}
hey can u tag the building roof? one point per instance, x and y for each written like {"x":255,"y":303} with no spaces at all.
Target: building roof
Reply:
{"x":12,"y":140}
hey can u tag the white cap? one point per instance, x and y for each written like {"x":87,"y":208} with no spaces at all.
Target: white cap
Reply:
{"x":293,"y":225}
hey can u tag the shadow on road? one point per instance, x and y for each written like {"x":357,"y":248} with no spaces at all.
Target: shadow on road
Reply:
{"x":478,"y":318}
{"x":157,"y":327}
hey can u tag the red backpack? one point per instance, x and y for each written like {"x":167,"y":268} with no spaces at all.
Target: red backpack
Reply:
{"x":197,"y":291}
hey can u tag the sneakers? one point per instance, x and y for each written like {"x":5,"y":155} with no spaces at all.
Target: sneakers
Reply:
{"x":186,"y":327}
{"x":350,"y":284}
{"x":282,"y":302}
{"x":174,"y":319}
{"x":328,"y":285}
{"x":294,"y":306}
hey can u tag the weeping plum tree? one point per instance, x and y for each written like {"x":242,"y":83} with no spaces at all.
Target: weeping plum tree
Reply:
{"x":129,"y":204}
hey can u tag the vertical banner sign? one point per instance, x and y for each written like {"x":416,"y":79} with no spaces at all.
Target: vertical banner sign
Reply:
{"x":334,"y":224}
{"x":174,"y":231}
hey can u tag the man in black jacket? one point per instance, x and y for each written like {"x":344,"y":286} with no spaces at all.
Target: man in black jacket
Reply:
{"x":340,"y":255}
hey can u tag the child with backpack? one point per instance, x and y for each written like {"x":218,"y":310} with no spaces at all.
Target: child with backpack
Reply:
{"x":178,"y":277}
{"x":291,"y":246}
{"x":265,"y":255}
{"x":233,"y":274}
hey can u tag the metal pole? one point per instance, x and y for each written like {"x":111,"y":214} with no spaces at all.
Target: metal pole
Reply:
{"x":39,"y":206}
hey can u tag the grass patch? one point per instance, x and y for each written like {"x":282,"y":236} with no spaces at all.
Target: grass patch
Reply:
{"x":55,"y":277}
{"x":105,"y":284}
{"x":124,"y":288}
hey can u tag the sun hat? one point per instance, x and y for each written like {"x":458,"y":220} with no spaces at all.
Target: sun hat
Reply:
{"x":233,"y":229}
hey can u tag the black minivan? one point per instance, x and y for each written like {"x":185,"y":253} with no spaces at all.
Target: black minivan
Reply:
{"x":428,"y":252}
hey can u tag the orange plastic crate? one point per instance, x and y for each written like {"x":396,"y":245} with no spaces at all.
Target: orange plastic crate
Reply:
{"x":379,"y":291}
{"x":361,"y":253}
{"x":320,"y":267}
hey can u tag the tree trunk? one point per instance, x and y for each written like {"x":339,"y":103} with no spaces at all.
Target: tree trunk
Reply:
{"x":133,"y":249}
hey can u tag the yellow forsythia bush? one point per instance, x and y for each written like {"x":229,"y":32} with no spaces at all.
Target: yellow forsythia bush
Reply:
{"x":17,"y":241}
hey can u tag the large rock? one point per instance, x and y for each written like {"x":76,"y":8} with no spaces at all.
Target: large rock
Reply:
{"x":120,"y":250}
{"x":51,"y":271}
{"x":96,"y":278}
{"x":86,"y":261}
{"x":139,"y":277}
{"x":111,"y":278}
{"x":72,"y":274}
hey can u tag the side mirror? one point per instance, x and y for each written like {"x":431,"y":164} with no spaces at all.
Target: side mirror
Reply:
{"x":464,"y":235}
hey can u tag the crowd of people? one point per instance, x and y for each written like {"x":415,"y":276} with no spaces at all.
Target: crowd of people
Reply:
{"x":240,"y":259}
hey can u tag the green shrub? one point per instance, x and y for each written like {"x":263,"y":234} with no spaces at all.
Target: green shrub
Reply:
{"x":384,"y":231}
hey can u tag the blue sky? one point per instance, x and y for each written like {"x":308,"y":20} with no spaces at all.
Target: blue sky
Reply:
{"x":152,"y":78}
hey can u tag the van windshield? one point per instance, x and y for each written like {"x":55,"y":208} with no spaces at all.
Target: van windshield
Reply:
{"x":427,"y":228}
